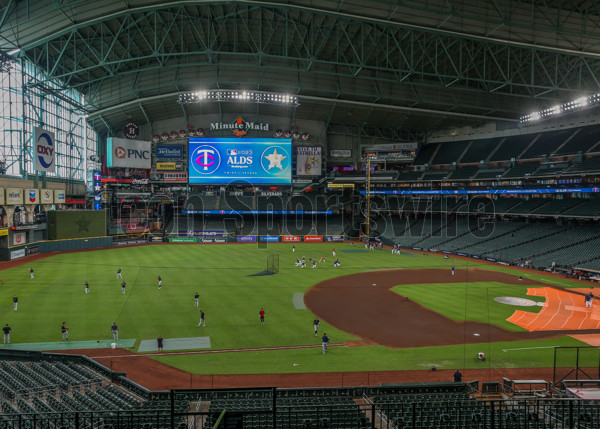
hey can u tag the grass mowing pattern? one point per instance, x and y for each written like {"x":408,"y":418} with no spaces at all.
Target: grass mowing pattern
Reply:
{"x":230,"y":299}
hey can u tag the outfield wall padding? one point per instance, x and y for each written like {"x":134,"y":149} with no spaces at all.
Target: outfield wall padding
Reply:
{"x":75,"y":244}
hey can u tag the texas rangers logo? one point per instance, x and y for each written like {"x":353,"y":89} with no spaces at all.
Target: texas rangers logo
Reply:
{"x":45,"y":150}
{"x":205,"y":159}
{"x":275,"y":160}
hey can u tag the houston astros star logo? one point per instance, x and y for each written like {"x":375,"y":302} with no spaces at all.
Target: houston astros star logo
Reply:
{"x":275,"y":159}
{"x":83,"y":224}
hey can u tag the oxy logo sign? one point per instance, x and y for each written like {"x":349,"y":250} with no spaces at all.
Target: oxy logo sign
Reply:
{"x":275,"y":160}
{"x":45,"y":150}
{"x":206,"y":159}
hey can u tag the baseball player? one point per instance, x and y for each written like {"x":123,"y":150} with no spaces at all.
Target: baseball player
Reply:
{"x":15,"y":302}
{"x":114,"y":329}
{"x":202,"y":319}
{"x":196,"y":299}
{"x":316,"y":326}
{"x":452,"y":269}
{"x":159,"y":282}
{"x":325,"y":342}
{"x":87,"y":288}
{"x":123,"y":287}
{"x":65,"y":332}
{"x":119,"y":276}
{"x":31,"y":273}
{"x":6,"y":330}
{"x":261,"y":314}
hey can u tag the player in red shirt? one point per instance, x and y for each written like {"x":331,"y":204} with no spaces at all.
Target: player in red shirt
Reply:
{"x":262,"y":316}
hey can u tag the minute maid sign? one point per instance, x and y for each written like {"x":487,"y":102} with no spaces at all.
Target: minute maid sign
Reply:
{"x":239,"y":127}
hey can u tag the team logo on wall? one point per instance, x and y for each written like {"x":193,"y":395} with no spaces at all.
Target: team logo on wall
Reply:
{"x":275,"y":160}
{"x":44,"y":150}
{"x":206,"y":159}
{"x":131,"y":130}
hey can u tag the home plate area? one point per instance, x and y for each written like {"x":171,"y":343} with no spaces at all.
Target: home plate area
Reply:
{"x":171,"y":344}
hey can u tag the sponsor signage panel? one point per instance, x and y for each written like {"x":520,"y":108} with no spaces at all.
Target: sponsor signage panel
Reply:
{"x":268,"y":238}
{"x":128,"y":153}
{"x":334,"y":238}
{"x":485,"y":191}
{"x":182,"y":240}
{"x":340,"y":153}
{"x":45,"y":150}
{"x":223,"y":160}
{"x":291,"y":238}
{"x":308,"y":160}
{"x":199,"y":233}
{"x":168,"y":151}
{"x":313,"y":238}
{"x":59,"y":196}
{"x":46,"y":196}
{"x":14,"y":196}
{"x":3,"y":232}
{"x":212,"y":240}
{"x":32,"y":196}
{"x":19,"y":238}
{"x":15,"y":254}
{"x":169,"y":166}
{"x":246,"y":238}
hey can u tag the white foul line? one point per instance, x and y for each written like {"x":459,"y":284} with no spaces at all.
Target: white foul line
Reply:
{"x":530,"y":348}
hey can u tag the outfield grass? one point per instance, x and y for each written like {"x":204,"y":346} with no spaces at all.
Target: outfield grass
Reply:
{"x":231,"y":300}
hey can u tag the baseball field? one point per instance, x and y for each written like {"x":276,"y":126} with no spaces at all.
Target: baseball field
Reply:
{"x":381,"y":311}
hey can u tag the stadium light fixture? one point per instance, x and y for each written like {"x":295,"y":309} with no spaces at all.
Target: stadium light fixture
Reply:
{"x":259,"y":97}
{"x":552,"y":112}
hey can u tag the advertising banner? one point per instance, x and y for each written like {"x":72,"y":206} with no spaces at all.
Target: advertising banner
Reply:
{"x":3,"y":232}
{"x":213,"y":240}
{"x":268,"y":238}
{"x":32,"y":196}
{"x":47,"y":196}
{"x":45,"y":150}
{"x":164,"y":151}
{"x":59,"y":196}
{"x":17,"y":253}
{"x":182,"y":240}
{"x":14,"y":196}
{"x":340,"y":153}
{"x":246,"y":238}
{"x":291,"y":238}
{"x":199,"y":233}
{"x":308,"y":160}
{"x":256,"y":161}
{"x":19,"y":238}
{"x":334,"y":238}
{"x":127,"y":153}
{"x":168,"y":166}
{"x":313,"y":238}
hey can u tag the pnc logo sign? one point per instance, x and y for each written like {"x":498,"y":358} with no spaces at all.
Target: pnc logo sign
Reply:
{"x":120,"y":152}
{"x":206,"y":159}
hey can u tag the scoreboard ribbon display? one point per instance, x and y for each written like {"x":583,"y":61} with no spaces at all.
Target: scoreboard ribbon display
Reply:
{"x":226,"y":160}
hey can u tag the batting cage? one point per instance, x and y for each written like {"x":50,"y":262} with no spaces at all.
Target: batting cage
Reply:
{"x":273,"y":264}
{"x":576,"y":363}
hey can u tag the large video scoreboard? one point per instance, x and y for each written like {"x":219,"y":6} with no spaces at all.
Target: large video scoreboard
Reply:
{"x":227,"y":160}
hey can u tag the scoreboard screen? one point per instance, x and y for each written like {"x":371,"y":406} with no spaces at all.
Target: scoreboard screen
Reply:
{"x":227,"y":160}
